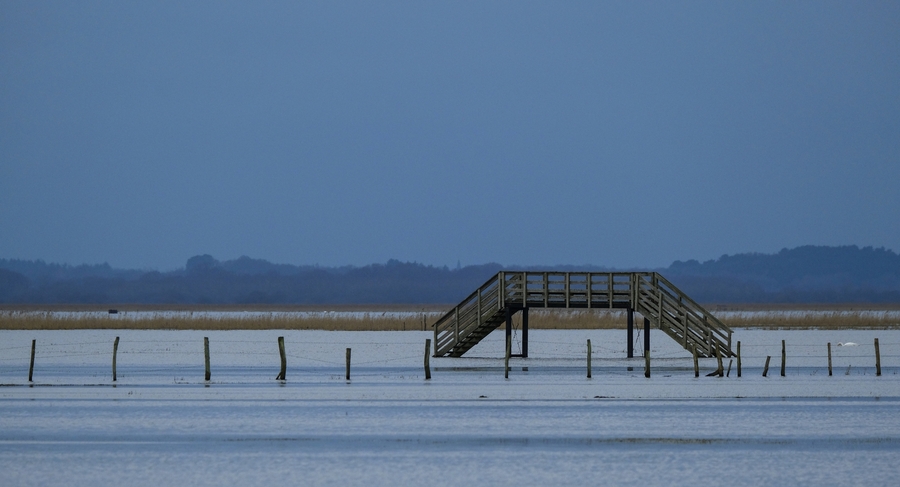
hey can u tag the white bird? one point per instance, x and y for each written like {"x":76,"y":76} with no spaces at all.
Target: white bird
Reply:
{"x":848,"y":344}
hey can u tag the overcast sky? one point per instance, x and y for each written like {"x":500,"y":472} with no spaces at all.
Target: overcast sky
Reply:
{"x":610,"y":133}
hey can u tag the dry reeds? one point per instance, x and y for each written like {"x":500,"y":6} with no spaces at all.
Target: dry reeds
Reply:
{"x":812,"y":319}
{"x":217,"y":321}
{"x":407,"y":320}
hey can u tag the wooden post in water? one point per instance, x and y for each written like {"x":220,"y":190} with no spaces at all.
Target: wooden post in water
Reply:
{"x":115,"y":349}
{"x":783,"y":357}
{"x":282,"y":374}
{"x":589,"y":359}
{"x":728,"y":374}
{"x":766,"y":368}
{"x":696,"y":362}
{"x":739,"y":358}
{"x":647,"y":363}
{"x":720,"y":369}
{"x":829,"y":359}
{"x":206,"y":355}
{"x":506,"y":360}
{"x":877,"y":359}
{"x":427,"y":357}
{"x":31,"y":367}
{"x":348,"y":364}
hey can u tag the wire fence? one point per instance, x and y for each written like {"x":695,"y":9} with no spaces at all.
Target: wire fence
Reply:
{"x":69,"y":354}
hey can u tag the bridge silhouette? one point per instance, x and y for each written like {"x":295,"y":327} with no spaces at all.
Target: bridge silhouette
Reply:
{"x":658,"y":301}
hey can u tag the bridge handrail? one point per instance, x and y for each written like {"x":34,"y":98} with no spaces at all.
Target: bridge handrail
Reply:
{"x":694,"y":306}
{"x":445,"y":327}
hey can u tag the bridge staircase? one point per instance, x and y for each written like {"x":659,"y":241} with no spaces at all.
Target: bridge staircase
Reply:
{"x":661,"y":304}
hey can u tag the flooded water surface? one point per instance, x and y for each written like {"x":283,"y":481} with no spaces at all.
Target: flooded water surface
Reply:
{"x":161,"y":423}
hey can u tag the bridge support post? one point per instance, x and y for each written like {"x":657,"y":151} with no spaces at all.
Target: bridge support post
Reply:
{"x":646,"y":334}
{"x":630,"y":333}
{"x":509,"y":315}
{"x":524,"y":332}
{"x":508,"y":325}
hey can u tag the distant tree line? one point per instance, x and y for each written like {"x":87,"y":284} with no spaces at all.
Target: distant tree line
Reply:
{"x":808,"y":274}
{"x":803,"y":274}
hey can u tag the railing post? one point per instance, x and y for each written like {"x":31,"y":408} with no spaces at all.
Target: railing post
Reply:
{"x":479,"y":307}
{"x":456,"y":333}
{"x":609,"y":288}
{"x":659,"y":295}
{"x":501,"y":289}
{"x":546,"y":285}
{"x":567,"y":289}
{"x":524,"y":289}
{"x":590,"y":287}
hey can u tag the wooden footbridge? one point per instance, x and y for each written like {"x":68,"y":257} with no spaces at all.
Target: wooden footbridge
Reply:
{"x":661,"y":304}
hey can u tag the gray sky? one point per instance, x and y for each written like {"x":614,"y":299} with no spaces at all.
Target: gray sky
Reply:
{"x":620,"y":134}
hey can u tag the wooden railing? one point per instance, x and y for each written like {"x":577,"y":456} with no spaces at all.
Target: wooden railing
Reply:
{"x":648,"y":293}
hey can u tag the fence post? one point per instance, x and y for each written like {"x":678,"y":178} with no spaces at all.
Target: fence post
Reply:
{"x":115,"y":350}
{"x":282,"y":374}
{"x":31,"y":367}
{"x":348,"y":364}
{"x":829,"y":359}
{"x":696,"y":362}
{"x":766,"y":368}
{"x":647,"y":363}
{"x":427,"y":358}
{"x":720,"y":369}
{"x":206,"y":355}
{"x":877,"y":359}
{"x":589,"y":359}
{"x":783,"y":356}
{"x":739,"y":358}
{"x":506,"y":360}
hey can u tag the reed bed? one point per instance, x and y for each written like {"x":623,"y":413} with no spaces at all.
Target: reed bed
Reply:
{"x":407,"y":320}
{"x":220,"y":321}
{"x":811,"y":319}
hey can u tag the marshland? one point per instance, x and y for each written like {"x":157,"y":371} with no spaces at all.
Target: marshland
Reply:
{"x":412,"y":317}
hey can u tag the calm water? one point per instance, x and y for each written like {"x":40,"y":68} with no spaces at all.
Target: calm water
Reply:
{"x":162,"y":425}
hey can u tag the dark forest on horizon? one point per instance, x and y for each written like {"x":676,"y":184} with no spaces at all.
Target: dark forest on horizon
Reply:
{"x":807,"y":274}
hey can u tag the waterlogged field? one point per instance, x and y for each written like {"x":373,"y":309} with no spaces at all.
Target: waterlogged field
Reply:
{"x":161,"y":423}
